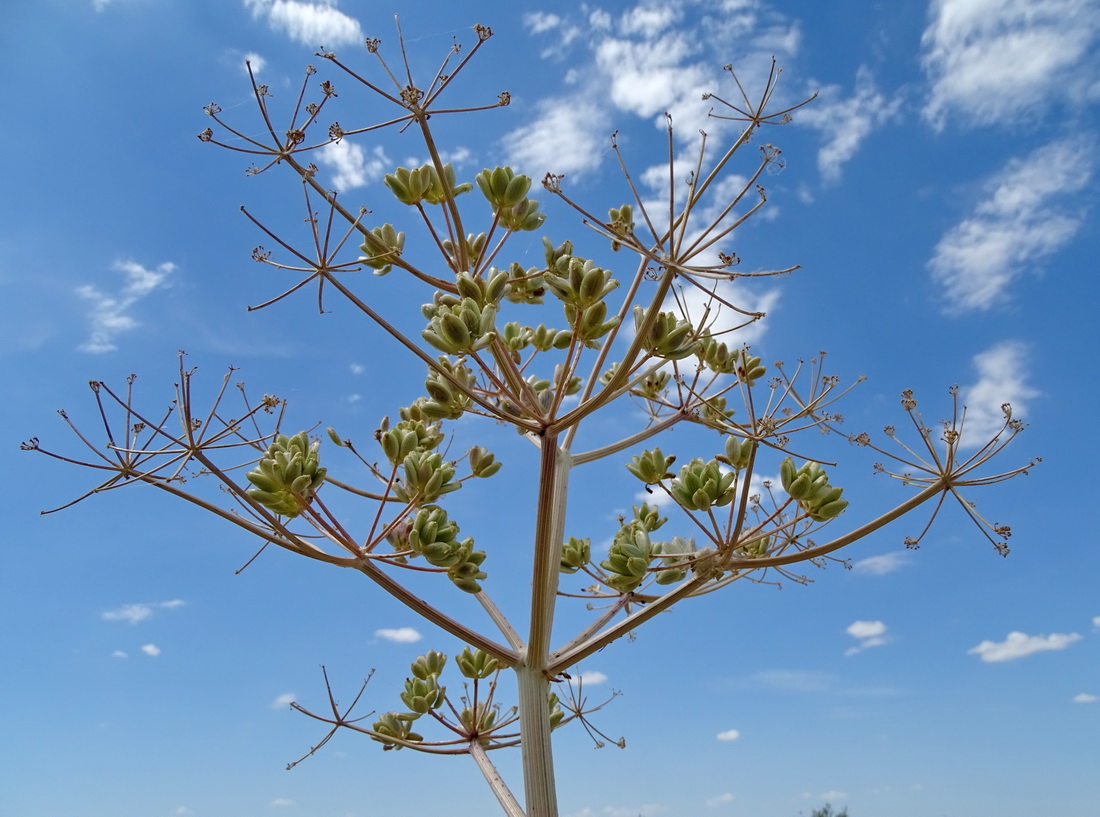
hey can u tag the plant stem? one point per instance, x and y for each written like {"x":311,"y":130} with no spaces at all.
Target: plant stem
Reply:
{"x":532,"y":678}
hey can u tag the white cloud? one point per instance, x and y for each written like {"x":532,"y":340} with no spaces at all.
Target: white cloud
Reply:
{"x":644,"y":810}
{"x":255,"y":60}
{"x":357,"y":368}
{"x":314,"y":24}
{"x":151,"y":649}
{"x":133,"y":613}
{"x":401,"y":635}
{"x":846,"y":123}
{"x":284,"y":700}
{"x":1017,"y":645}
{"x":537,"y":22}
{"x":351,"y":166}
{"x":1096,"y":621}
{"x":118,"y":654}
{"x":592,"y":678}
{"x":833,"y":794}
{"x":870,"y":633}
{"x":110,"y":314}
{"x":566,"y":135}
{"x":1002,"y":378}
{"x":1022,"y":220}
{"x":282,"y":802}
{"x":721,"y":319}
{"x":866,"y":629}
{"x":882,"y":564}
{"x":648,"y":60}
{"x":1085,"y":698}
{"x":719,"y":800}
{"x":992,"y":61}
{"x":728,"y":734}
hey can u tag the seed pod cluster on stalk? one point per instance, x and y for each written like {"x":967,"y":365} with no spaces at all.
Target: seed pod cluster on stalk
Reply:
{"x":433,"y":535}
{"x":287,"y":475}
{"x":809,"y":486}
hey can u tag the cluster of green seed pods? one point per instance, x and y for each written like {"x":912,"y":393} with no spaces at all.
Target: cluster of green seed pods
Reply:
{"x":670,"y":337}
{"x":381,"y":247}
{"x":809,"y":486}
{"x":575,"y":554}
{"x":427,"y":477}
{"x":406,"y":437}
{"x":445,"y":400}
{"x":423,"y":184}
{"x":620,"y":220}
{"x":422,"y":694}
{"x":702,"y":485}
{"x":287,"y":475}
{"x":677,"y":555}
{"x":507,"y":193}
{"x":632,"y":551}
{"x":434,"y":536}
{"x":581,"y":286}
{"x":651,"y":466}
{"x":476,"y":664}
{"x":459,"y":326}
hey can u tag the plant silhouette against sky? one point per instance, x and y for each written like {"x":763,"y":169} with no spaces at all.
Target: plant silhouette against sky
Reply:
{"x":541,"y":350}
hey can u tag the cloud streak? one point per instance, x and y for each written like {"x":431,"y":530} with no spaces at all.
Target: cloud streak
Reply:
{"x":1002,"y":378}
{"x":110,"y":314}
{"x":313,"y":24}
{"x":992,"y":62}
{"x":1021,"y":221}
{"x":1018,"y":644}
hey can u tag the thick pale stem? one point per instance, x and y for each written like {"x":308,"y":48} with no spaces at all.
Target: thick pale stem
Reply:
{"x":532,"y":678}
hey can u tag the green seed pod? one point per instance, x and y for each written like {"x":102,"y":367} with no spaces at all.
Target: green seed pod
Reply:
{"x":738,"y":452}
{"x":394,"y":725}
{"x":524,"y":286}
{"x":475,"y":664}
{"x":556,"y":713}
{"x":669,"y":338}
{"x":651,"y":466}
{"x":287,"y":476}
{"x":482,"y":463}
{"x":749,"y":369}
{"x":429,"y":665}
{"x":575,"y":554}
{"x":380,"y":247}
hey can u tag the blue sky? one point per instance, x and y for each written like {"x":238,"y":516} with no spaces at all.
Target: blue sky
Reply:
{"x":939,"y":196}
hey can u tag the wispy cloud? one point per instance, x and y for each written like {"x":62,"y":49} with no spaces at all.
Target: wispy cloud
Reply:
{"x":592,"y":677}
{"x":133,"y":613}
{"x":110,"y":313}
{"x":282,"y":802}
{"x":720,"y":800}
{"x":284,"y":700}
{"x":351,"y":166}
{"x":728,"y":734}
{"x":846,"y":123}
{"x":992,"y":62}
{"x":400,"y":635}
{"x":1085,"y":698}
{"x":1017,"y":645}
{"x":646,"y":60}
{"x":151,"y":649}
{"x":870,"y":634}
{"x":882,"y":564}
{"x":565,"y":135}
{"x":314,"y":24}
{"x":1022,"y":220}
{"x":1002,"y":378}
